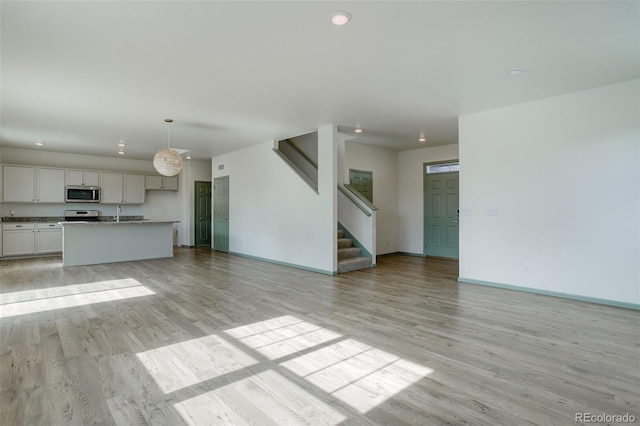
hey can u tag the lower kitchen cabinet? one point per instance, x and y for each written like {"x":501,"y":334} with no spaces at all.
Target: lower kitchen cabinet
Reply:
{"x":18,"y":239}
{"x":23,"y":239}
{"x":48,"y":238}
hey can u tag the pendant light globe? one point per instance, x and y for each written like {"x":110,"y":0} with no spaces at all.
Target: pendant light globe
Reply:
{"x":167,"y":161}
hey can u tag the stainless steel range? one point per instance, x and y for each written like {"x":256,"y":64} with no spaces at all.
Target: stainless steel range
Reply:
{"x":81,"y":215}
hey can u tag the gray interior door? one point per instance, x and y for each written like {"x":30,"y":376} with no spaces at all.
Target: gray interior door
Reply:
{"x":202,"y":214}
{"x":221,"y":214}
{"x":441,"y":215}
{"x":362,"y":181}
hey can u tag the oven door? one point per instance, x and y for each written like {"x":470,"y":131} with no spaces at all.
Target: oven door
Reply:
{"x":83,"y":194}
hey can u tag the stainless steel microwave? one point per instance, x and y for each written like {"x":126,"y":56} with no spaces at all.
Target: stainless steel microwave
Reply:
{"x":82,"y":194}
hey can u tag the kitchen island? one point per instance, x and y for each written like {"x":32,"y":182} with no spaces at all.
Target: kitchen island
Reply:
{"x":89,"y":243}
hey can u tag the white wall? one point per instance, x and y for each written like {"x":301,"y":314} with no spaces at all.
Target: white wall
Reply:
{"x":384,"y":165}
{"x":411,"y":193}
{"x":159,"y":205}
{"x":563,"y":176}
{"x":273,"y":214}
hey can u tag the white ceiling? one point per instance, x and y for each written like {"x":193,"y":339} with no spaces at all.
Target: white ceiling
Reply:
{"x":82,"y":75}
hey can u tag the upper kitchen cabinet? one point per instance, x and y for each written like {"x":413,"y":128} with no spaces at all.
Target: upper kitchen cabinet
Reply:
{"x":134,"y":189}
{"x":19,"y":184}
{"x":111,"y":187}
{"x":118,"y":188}
{"x":50,"y":185}
{"x":33,"y":184}
{"x":83,"y":177}
{"x":163,"y":183}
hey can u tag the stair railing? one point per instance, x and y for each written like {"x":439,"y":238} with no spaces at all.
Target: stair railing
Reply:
{"x":359,"y":218}
{"x":303,"y":165}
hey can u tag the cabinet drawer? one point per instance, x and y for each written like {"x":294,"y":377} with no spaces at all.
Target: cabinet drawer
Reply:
{"x":42,"y":226}
{"x":17,"y":226}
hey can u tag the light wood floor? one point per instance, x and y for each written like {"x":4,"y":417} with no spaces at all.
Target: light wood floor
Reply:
{"x":207,"y":338}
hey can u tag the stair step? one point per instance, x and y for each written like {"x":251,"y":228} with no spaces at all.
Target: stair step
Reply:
{"x":349,"y":252}
{"x":344,"y":242}
{"x":340,"y":233}
{"x":352,"y":264}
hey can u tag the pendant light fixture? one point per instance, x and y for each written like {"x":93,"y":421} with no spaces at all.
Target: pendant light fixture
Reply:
{"x":167,"y":161}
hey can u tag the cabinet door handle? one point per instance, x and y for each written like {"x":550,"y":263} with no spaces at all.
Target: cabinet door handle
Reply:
{"x":18,"y":226}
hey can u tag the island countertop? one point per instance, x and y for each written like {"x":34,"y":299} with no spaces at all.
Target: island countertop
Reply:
{"x":89,"y":242}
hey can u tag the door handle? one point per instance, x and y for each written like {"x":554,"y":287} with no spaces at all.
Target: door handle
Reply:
{"x":455,"y":221}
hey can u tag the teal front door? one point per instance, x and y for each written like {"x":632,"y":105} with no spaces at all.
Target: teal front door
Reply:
{"x":441,"y":215}
{"x":202,"y":214}
{"x":221,"y":214}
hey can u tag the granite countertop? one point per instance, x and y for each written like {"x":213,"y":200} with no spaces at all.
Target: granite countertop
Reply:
{"x":27,"y":219}
{"x":58,"y":219}
{"x":122,"y":222}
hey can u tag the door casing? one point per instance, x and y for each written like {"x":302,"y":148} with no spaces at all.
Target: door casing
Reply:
{"x":221,"y":214}
{"x":202,"y":214}
{"x":441,"y":233}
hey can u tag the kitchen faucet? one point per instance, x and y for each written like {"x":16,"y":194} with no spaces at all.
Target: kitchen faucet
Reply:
{"x":118,"y":209}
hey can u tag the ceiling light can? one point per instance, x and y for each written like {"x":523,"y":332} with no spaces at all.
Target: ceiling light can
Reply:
{"x":340,"y":17}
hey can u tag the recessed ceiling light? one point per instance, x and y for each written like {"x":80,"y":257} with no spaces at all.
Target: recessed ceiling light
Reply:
{"x":358,"y":130}
{"x":188,"y":157}
{"x":121,"y":152}
{"x":422,"y":139}
{"x":515,"y":71}
{"x":40,"y":143}
{"x":340,"y":17}
{"x":122,"y":144}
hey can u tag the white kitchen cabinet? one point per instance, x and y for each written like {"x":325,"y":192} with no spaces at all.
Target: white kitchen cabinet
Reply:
{"x":33,"y":184}
{"x":18,"y":239}
{"x":111,"y":185}
{"x":48,"y":238}
{"x":21,"y":239}
{"x":19,"y":184}
{"x":49,"y":185}
{"x":118,"y":188}
{"x":134,"y":189}
{"x":164,"y":183}
{"x":83,"y":178}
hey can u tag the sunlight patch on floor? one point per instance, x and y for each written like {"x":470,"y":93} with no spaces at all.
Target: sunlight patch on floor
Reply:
{"x":188,"y":363}
{"x":335,"y":368}
{"x":357,"y":374}
{"x":282,"y":336}
{"x":48,"y":299}
{"x":264,"y":398}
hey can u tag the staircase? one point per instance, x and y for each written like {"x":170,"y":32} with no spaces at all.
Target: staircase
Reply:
{"x":349,"y":258}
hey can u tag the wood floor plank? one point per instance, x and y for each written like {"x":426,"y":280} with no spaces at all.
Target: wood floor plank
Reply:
{"x":221,"y":339}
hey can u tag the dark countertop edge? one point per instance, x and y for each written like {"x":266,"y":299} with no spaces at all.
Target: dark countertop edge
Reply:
{"x":125,"y":222}
{"x":26,"y":219}
{"x":56,"y":219}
